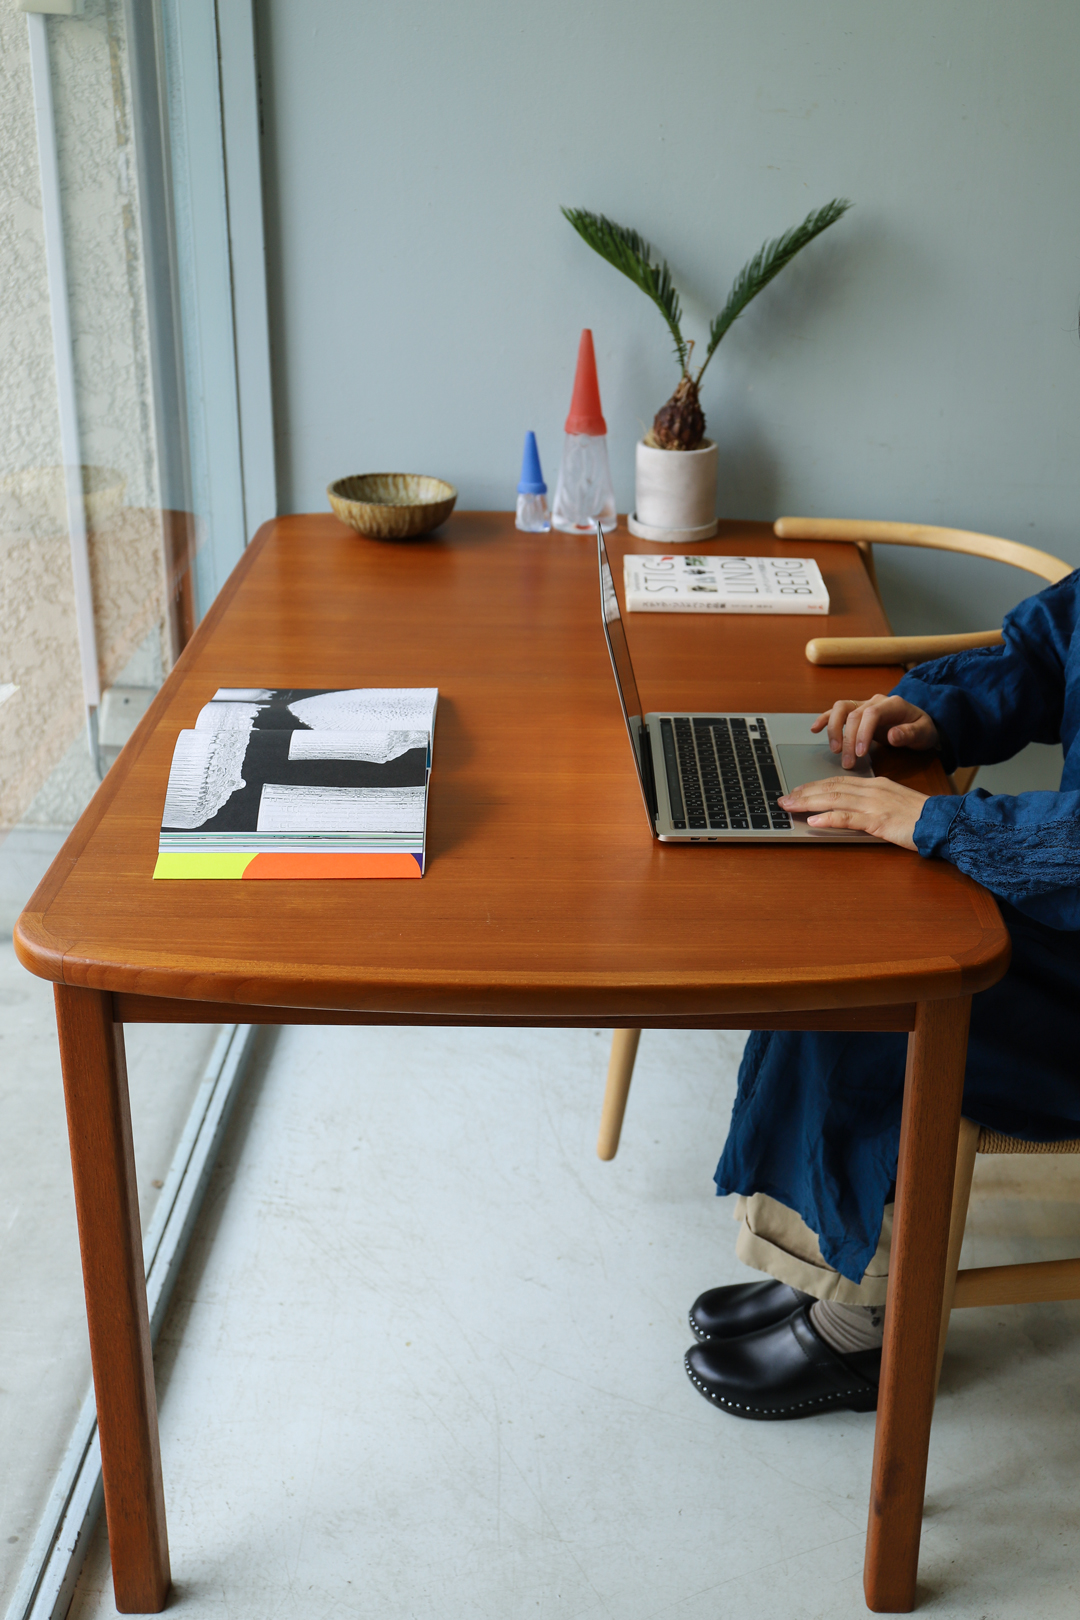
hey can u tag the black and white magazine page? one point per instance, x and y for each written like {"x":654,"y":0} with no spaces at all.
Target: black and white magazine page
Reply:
{"x":267,"y":776}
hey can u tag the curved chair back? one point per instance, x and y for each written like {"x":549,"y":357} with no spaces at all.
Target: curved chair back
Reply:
{"x":911,"y":649}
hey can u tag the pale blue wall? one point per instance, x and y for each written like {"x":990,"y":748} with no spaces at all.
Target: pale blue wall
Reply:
{"x":921,"y":361}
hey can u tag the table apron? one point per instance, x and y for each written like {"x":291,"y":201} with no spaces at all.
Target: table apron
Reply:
{"x":134,"y":1009}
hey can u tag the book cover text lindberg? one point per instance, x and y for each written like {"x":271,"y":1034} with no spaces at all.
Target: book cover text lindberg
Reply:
{"x":684,"y":584}
{"x":277,"y":783}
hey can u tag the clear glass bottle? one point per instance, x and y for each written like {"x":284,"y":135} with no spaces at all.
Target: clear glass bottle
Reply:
{"x":533,"y":515}
{"x":532,"y":507}
{"x":584,"y":491}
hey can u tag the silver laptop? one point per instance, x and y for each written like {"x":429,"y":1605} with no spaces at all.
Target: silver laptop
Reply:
{"x":708,"y":777}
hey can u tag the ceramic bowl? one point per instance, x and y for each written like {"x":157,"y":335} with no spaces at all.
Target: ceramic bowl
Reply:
{"x":392,"y":506}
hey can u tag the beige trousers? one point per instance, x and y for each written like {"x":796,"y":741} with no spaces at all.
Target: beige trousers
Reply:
{"x":773,"y":1238}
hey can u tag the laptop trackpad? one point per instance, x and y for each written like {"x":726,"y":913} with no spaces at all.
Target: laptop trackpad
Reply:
{"x":812,"y":762}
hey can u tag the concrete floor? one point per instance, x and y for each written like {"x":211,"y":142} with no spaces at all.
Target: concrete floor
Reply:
{"x":425,"y":1357}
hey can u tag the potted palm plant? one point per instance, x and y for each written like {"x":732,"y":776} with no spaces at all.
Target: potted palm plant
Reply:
{"x":676,"y":463}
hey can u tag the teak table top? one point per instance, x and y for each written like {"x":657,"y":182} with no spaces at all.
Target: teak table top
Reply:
{"x":545,"y":899}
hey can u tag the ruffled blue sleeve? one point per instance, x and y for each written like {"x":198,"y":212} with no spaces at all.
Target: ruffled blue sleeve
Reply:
{"x":987,"y":705}
{"x":1024,"y":847}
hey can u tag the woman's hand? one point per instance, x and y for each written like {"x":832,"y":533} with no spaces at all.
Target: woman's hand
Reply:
{"x":870,"y":804}
{"x":854,"y":725}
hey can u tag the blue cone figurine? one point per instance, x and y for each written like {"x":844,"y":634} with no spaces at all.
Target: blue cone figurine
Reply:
{"x":532,"y":507}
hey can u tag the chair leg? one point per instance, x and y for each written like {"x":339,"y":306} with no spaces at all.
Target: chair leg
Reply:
{"x":624,"y":1045}
{"x":966,"y":1149}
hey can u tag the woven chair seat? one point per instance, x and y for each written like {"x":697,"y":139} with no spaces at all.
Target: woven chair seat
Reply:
{"x":994,"y":1142}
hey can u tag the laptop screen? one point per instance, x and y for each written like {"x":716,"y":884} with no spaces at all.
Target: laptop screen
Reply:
{"x":623,"y":669}
{"x":616,"y":640}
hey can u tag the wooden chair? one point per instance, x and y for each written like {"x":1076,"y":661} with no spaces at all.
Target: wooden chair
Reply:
{"x":1028,"y":1283}
{"x":865,"y":650}
{"x":911,"y":649}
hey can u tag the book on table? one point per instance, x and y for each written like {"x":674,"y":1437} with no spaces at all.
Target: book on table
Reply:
{"x":284,"y":783}
{"x":686,"y":584}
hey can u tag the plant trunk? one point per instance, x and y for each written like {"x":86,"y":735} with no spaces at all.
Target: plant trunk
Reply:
{"x":680,"y":424}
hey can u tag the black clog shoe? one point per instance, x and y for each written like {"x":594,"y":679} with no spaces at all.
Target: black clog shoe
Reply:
{"x":726,"y":1313}
{"x":783,"y":1371}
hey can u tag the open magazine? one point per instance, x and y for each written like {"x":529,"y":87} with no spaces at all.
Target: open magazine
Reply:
{"x":301,"y":784}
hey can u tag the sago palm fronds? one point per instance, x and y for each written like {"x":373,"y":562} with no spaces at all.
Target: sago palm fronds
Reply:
{"x":680,"y":424}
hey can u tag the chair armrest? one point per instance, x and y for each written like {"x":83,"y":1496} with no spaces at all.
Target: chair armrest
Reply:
{"x":895,"y":649}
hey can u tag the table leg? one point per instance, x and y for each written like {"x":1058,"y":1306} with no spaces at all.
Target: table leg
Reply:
{"x":933,"y":1089}
{"x":107,"y":1205}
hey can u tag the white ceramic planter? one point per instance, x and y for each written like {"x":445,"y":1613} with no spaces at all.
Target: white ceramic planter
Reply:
{"x":676,"y":493}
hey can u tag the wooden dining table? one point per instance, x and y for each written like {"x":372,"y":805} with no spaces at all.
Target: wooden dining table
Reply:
{"x":546,"y":902}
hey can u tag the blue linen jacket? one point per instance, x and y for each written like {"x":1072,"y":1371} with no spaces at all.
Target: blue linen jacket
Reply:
{"x":816,"y":1121}
{"x":987,"y":705}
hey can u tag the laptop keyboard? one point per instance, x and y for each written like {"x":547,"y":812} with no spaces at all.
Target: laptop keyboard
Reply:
{"x":722,"y":775}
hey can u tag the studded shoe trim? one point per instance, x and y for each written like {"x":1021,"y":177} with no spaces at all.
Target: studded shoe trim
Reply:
{"x":838,"y":1398}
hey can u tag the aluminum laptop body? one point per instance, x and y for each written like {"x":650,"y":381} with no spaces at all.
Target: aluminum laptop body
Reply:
{"x":712,"y":776}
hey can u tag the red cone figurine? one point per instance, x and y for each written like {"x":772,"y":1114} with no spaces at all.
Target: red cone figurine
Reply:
{"x":584,"y":491}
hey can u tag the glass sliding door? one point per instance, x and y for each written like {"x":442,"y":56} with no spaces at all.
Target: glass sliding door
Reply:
{"x":136,"y":460}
